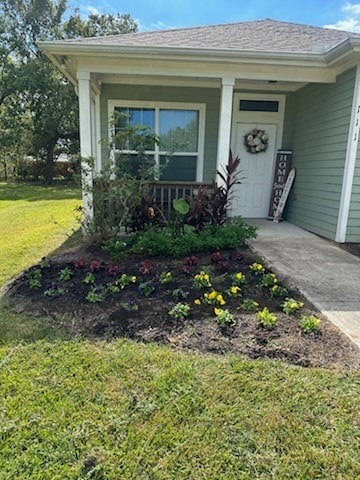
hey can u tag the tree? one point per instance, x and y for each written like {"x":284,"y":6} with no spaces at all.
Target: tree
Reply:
{"x":98,"y":25}
{"x":28,"y":80}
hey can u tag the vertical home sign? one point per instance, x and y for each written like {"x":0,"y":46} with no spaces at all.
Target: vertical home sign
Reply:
{"x":282,"y":169}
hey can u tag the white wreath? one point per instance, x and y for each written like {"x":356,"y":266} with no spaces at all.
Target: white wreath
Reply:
{"x":256,"y":141}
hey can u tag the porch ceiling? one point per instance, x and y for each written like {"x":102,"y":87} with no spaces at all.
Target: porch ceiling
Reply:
{"x":171,"y":81}
{"x":254,"y":72}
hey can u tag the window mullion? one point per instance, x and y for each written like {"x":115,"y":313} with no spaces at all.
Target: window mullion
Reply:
{"x":157,"y":132}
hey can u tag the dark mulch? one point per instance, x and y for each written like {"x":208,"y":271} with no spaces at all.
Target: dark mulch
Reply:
{"x":353,"y":248}
{"x":200,"y":331}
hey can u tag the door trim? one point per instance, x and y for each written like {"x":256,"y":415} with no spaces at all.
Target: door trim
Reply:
{"x":253,"y":117}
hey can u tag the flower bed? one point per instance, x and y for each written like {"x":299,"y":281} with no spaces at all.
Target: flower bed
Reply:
{"x":224,"y":301}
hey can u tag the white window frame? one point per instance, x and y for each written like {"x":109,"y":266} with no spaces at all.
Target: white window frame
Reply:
{"x":157,"y":106}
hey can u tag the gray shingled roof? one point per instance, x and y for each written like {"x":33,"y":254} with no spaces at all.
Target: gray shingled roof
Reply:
{"x":260,"y":35}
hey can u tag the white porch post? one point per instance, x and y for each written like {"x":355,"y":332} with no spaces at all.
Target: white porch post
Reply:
{"x":350,"y":160}
{"x":86,"y":143}
{"x":224,"y":131}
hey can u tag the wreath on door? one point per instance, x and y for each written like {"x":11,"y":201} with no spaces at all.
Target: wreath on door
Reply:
{"x":256,"y":141}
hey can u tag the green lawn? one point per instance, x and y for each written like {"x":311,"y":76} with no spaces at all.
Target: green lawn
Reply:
{"x":79,"y":409}
{"x":34,"y":220}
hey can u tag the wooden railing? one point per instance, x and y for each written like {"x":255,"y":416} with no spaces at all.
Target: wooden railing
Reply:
{"x":106,"y":205}
{"x":166,"y":192}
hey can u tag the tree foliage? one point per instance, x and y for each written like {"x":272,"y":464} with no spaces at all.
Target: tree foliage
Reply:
{"x":38,"y":107}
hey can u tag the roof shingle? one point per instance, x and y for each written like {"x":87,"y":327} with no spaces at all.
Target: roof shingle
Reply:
{"x":260,"y":35}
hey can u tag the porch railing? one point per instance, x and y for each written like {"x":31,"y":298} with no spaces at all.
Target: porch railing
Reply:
{"x":166,"y":192}
{"x":106,"y":205}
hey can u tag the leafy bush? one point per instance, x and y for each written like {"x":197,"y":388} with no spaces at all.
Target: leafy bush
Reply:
{"x":231,"y":235}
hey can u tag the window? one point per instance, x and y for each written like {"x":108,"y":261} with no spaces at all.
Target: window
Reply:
{"x":259,"y":106}
{"x":180,"y":130}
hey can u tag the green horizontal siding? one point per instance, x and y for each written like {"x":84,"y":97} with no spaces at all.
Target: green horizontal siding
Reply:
{"x":317,"y":122}
{"x":353,"y":228}
{"x":208,"y":96}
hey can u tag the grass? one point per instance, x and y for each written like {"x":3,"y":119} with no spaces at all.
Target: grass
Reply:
{"x":34,"y":220}
{"x":75,"y":409}
{"x":132,"y":411}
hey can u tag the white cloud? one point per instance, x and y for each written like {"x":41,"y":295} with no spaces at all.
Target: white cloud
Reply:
{"x":351,"y":22}
{"x":352,"y":8}
{"x":92,"y":10}
{"x":154,"y":26}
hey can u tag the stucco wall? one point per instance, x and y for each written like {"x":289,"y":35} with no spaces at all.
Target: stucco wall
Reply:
{"x":209,"y":96}
{"x":318,"y":119}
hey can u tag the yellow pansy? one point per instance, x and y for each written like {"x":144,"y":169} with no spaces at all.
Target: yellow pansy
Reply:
{"x":220,"y":299}
{"x":197,"y":301}
{"x":217,"y":311}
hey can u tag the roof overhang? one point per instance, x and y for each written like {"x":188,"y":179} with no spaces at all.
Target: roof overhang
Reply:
{"x":182,"y":62}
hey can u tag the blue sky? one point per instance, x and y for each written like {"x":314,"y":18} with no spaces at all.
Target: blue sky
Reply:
{"x":161,"y":14}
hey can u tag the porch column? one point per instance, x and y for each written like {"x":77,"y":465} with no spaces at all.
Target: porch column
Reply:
{"x":350,"y":161}
{"x":86,"y":144}
{"x":224,"y":131}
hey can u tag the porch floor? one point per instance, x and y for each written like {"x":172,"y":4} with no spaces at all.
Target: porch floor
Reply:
{"x":325,"y":274}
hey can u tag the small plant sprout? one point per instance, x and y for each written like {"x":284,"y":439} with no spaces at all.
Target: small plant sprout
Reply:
{"x":257,"y":268}
{"x":130,"y":306}
{"x":223,"y":266}
{"x":146,"y":288}
{"x":125,"y":280}
{"x":234,"y":291}
{"x":113,"y":270}
{"x":45,"y":263}
{"x":54,"y":291}
{"x":89,"y":278}
{"x":79,"y":263}
{"x":191,"y":260}
{"x":95,"y":295}
{"x":95,"y":266}
{"x":214,"y":298}
{"x":65,"y":274}
{"x":266,"y":318}
{"x":269,"y":280}
{"x":224,"y":317}
{"x":180,"y":294}
{"x":34,"y":278}
{"x":165,"y":277}
{"x":112,"y":288}
{"x":290,"y":306}
{"x":146,"y":267}
{"x":201,"y":280}
{"x":310,"y":324}
{"x":249,"y":305}
{"x":180,"y":311}
{"x":216,"y":257}
{"x":238,"y":279}
{"x":278,"y":291}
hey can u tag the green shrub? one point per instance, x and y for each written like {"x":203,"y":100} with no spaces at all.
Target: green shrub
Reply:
{"x":231,"y":235}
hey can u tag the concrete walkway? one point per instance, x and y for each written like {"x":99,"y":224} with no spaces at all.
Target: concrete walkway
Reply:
{"x":325,"y":274}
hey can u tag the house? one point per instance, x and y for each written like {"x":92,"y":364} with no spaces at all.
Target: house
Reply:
{"x":298,"y":86}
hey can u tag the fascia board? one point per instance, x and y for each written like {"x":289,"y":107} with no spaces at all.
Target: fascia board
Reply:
{"x":195,"y":54}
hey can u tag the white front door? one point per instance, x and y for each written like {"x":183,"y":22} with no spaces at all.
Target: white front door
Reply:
{"x":252,"y":197}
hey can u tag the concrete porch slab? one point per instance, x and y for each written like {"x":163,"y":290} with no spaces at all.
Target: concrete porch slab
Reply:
{"x":325,"y":274}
